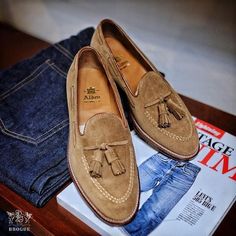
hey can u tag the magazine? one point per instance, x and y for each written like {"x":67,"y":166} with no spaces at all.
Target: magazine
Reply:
{"x":201,"y":209}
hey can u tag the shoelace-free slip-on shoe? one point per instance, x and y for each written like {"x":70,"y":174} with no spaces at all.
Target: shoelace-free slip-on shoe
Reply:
{"x":158,"y":113}
{"x":100,"y":150}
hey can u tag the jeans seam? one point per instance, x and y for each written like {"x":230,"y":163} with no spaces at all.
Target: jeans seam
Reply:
{"x":58,"y":70}
{"x":23,"y":82}
{"x":18,"y":86}
{"x":52,"y":133}
{"x":40,"y":138}
{"x":149,"y":176}
{"x":15,"y":135}
{"x":28,"y":139}
{"x":165,"y":160}
{"x":63,"y":52}
{"x":166,"y":176}
{"x":189,"y":173}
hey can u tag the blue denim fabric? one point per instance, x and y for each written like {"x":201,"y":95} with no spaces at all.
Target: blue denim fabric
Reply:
{"x":170,"y":180}
{"x":34,"y":121}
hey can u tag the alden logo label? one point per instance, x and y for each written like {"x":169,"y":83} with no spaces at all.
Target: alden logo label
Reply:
{"x":210,"y":129}
{"x":91,"y":95}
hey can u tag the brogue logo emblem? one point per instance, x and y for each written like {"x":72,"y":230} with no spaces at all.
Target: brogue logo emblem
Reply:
{"x":91,"y":95}
{"x":19,"y":221}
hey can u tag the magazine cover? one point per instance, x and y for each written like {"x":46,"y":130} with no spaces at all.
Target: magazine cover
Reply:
{"x":176,"y":198}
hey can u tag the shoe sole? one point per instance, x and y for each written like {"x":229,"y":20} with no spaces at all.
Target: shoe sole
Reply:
{"x":143,"y":135}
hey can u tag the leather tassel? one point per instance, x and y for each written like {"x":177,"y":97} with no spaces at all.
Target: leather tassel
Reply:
{"x":164,"y":120}
{"x":96,"y":164}
{"x":117,"y":166}
{"x":175,"y":109}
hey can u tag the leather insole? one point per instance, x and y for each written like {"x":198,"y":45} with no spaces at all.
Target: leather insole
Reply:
{"x":95,"y":94}
{"x":131,"y":69}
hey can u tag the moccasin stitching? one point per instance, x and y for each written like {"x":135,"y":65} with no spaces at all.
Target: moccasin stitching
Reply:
{"x":170,"y":134}
{"x":106,"y":193}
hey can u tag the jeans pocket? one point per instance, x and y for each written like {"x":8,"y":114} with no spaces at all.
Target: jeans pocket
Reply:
{"x":35,"y":108}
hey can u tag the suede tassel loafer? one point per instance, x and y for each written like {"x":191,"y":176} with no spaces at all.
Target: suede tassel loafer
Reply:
{"x":100,"y":150}
{"x":158,"y":113}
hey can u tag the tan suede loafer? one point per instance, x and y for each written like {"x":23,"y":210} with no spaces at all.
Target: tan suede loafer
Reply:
{"x":158,"y":113}
{"x":100,"y":150}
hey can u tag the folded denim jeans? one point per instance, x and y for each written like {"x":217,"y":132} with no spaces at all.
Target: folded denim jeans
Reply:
{"x":34,"y":121}
{"x":170,"y":180}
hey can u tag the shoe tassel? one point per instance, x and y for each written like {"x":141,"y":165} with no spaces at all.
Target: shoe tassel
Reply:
{"x":165,"y":106}
{"x":95,"y":169}
{"x":175,"y":109}
{"x":164,"y":120}
{"x":117,"y":166}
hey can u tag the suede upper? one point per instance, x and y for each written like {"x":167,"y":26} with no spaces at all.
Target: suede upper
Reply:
{"x":101,"y":160}
{"x":159,"y":115}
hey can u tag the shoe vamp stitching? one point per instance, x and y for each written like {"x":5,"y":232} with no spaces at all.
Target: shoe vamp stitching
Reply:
{"x":168,"y":133}
{"x":104,"y":192}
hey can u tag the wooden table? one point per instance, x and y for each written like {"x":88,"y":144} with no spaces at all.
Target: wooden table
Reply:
{"x":52,"y":219}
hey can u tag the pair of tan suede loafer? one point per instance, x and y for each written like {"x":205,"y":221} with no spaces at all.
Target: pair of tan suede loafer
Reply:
{"x":100,"y":151}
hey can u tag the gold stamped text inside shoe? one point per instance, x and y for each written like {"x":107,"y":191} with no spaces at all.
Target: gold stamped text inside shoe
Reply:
{"x":100,"y":150}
